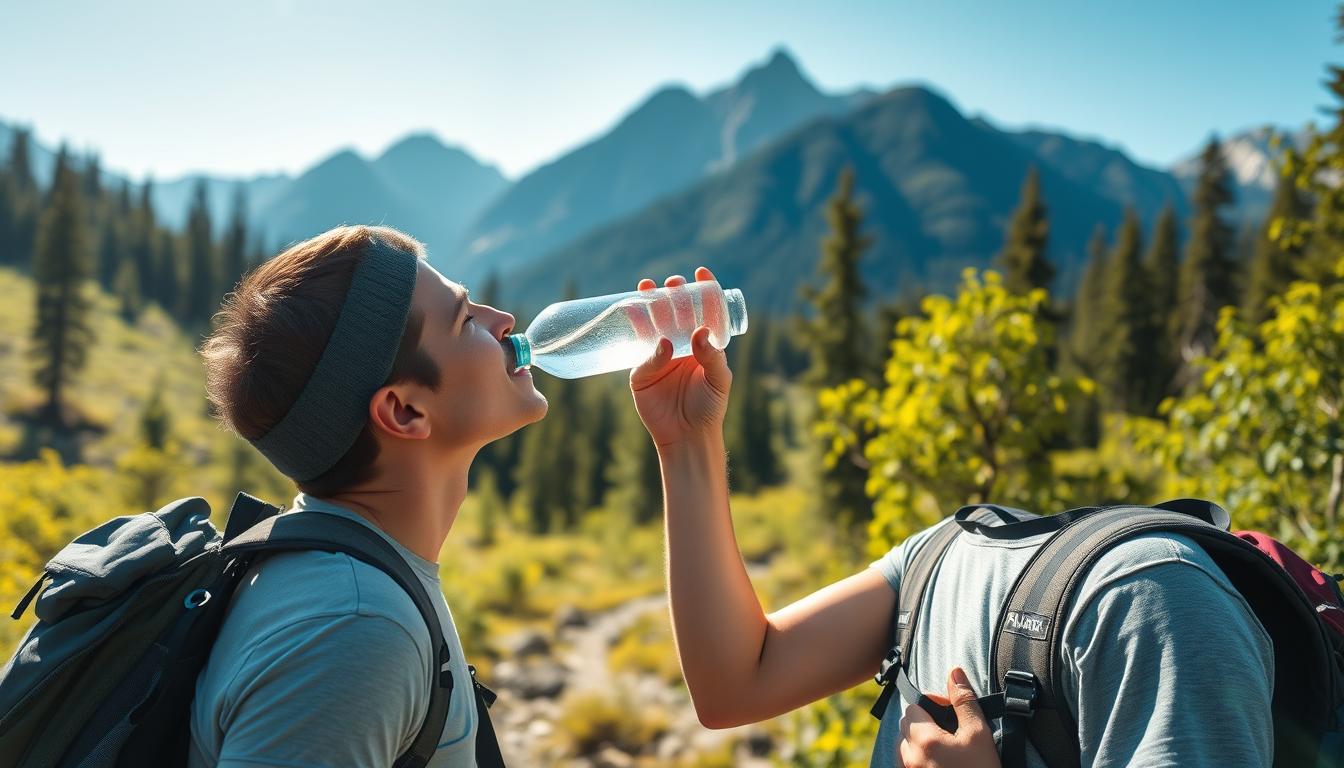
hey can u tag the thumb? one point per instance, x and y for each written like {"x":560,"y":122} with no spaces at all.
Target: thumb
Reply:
{"x":649,"y":371}
{"x":962,"y":697}
{"x":712,"y":359}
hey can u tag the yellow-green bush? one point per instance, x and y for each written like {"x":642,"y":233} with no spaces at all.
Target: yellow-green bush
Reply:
{"x":43,"y":505}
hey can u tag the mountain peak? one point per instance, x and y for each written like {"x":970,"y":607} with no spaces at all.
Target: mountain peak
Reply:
{"x":780,"y":73}
{"x":782,"y":60}
{"x":423,"y":140}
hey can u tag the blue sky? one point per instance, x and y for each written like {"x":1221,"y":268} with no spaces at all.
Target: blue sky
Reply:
{"x":167,"y":86}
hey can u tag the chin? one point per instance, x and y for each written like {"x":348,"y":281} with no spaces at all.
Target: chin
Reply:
{"x":539,"y":409}
{"x":535,"y":410}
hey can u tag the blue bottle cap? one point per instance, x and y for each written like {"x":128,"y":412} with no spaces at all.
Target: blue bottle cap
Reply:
{"x":522,"y":351}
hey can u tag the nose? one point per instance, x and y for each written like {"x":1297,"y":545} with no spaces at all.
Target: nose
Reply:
{"x":503,"y":324}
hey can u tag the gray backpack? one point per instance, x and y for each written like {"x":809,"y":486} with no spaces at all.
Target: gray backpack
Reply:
{"x":127,"y":620}
{"x":1300,"y":607}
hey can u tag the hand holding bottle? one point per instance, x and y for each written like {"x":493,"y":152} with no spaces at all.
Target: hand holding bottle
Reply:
{"x":678,"y":399}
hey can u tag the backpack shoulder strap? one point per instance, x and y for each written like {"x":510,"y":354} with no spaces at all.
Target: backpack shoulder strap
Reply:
{"x":1028,"y":633}
{"x":247,"y":511}
{"x":914,"y":583}
{"x":330,"y":533}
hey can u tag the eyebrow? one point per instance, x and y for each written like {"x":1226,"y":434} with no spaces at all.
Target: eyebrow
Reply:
{"x":461,"y":308}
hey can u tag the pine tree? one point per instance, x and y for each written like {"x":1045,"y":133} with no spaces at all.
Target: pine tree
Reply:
{"x":749,"y":424}
{"x":1088,"y":330}
{"x":200,"y":296}
{"x":1163,"y":269}
{"x":492,"y":508}
{"x":7,"y":212}
{"x":155,"y":421}
{"x":234,"y":256}
{"x":1128,"y":315}
{"x":143,"y":247}
{"x":20,"y":163}
{"x":1086,"y":339}
{"x":598,"y":425}
{"x":836,"y":334}
{"x":257,"y":253}
{"x":61,"y":333}
{"x":93,"y":180}
{"x":1208,"y":271}
{"x":127,"y":288}
{"x":636,"y":478}
{"x":20,"y":198}
{"x":1023,"y":259}
{"x":168,"y":280}
{"x":1276,"y":262}
{"x":1316,"y":170}
{"x":837,"y":341}
{"x":110,"y":253}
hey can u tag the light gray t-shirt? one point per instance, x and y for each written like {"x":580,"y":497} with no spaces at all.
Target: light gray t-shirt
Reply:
{"x":323,"y":660}
{"x":1163,"y":662}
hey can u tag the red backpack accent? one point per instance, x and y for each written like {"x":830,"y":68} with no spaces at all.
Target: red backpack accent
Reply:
{"x":1319,"y":588}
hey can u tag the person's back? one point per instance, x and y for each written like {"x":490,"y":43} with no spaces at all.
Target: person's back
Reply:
{"x":321,"y":660}
{"x":1163,"y":660}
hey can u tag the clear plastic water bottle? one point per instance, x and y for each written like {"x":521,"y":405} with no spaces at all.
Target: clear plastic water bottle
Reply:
{"x":619,"y":331}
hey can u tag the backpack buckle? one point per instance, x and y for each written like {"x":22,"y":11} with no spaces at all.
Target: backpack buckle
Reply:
{"x":892,"y":661}
{"x":886,"y":677}
{"x":1019,"y":694}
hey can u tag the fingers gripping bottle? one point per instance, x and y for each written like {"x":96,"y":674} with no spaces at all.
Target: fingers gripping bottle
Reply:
{"x":619,"y":331}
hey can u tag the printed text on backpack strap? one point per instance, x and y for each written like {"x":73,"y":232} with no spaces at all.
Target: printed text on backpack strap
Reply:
{"x":330,"y":533}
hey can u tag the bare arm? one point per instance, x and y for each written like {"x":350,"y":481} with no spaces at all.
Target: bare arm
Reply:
{"x":740,"y":664}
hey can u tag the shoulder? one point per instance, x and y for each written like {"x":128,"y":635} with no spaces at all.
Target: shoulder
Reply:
{"x":1154,"y":625}
{"x":1163,"y":588}
{"x":894,"y":563}
{"x":1163,"y":566}
{"x":311,"y":587}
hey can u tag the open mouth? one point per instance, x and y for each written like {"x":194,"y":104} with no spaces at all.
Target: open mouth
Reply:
{"x":516,"y":347}
{"x":511,"y":361}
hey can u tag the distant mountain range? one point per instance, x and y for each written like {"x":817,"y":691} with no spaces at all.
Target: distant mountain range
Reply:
{"x":666,"y":143}
{"x":937,"y":190}
{"x":736,"y":178}
{"x":418,"y":184}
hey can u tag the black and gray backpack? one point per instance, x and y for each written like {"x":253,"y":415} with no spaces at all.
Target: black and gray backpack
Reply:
{"x":1300,"y":607}
{"x":126,"y":621}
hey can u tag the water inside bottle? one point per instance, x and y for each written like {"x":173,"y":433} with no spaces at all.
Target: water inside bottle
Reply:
{"x":626,"y":333}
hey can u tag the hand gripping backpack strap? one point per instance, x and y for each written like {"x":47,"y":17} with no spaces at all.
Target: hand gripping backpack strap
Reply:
{"x":893,"y":675}
{"x":330,"y":533}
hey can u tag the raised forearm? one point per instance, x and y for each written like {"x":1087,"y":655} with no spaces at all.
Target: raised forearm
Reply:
{"x":717,"y":620}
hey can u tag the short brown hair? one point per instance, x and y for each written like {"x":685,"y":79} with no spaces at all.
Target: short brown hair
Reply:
{"x":270,"y":333}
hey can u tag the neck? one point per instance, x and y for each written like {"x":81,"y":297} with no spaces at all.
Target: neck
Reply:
{"x":414,"y":503}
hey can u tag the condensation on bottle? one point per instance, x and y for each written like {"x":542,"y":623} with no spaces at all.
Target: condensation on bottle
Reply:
{"x":585,"y":337}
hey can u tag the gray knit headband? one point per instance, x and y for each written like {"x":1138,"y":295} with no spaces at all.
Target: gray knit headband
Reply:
{"x":334,"y":405}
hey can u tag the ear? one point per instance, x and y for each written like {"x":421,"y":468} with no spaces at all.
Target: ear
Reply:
{"x":393,"y":411}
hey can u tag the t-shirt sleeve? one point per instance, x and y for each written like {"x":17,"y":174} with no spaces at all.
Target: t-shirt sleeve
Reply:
{"x":892,"y":565}
{"x":1171,"y":668}
{"x":334,"y":690}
